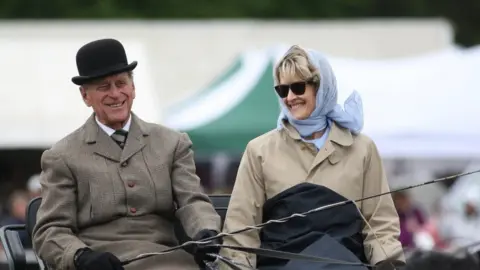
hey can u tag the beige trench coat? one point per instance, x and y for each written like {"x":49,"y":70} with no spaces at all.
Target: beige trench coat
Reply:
{"x":96,"y":194}
{"x":347,"y":164}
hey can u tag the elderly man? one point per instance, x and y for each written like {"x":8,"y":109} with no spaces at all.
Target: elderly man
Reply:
{"x":112,"y":188}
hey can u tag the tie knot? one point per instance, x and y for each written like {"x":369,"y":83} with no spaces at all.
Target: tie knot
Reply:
{"x":121,"y":132}
{"x":120,"y":137}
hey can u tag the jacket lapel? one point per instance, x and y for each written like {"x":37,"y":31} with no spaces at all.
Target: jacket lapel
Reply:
{"x":323,"y":153}
{"x":135,"y":140}
{"x":333,"y":147}
{"x":99,"y":142}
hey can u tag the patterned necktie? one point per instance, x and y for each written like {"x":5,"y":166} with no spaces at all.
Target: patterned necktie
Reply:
{"x":120,"y":137}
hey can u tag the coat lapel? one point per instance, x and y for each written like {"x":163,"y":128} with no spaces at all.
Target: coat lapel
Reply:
{"x":338,"y":138}
{"x":327,"y":150}
{"x":136,"y":138}
{"x":99,"y":142}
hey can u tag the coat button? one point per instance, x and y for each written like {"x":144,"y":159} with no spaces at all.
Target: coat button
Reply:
{"x":124,"y":164}
{"x":133,"y":210}
{"x":131,"y":184}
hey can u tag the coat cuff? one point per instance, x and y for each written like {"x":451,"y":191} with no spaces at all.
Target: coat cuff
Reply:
{"x":193,"y":223}
{"x":68,"y":256}
{"x":240,"y":257}
{"x":393,"y":250}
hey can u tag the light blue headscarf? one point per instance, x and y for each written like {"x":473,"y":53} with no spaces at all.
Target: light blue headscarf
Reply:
{"x":326,"y":108}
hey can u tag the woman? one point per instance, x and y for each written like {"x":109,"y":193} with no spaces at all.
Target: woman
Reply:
{"x":315,"y":157}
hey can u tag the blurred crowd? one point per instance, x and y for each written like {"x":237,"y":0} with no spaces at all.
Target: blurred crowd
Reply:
{"x":13,"y":211}
{"x":453,"y":224}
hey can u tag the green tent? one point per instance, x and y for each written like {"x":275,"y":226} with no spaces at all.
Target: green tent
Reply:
{"x":238,"y":106}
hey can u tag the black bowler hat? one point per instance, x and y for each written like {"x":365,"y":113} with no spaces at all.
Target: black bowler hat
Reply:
{"x":101,"y":58}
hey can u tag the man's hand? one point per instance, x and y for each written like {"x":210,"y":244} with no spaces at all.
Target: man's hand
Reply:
{"x":93,"y":260}
{"x":200,"y":251}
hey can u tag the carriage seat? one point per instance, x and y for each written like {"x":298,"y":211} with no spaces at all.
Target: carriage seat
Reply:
{"x":16,"y":254}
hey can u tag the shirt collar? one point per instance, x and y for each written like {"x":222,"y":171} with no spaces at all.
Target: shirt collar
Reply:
{"x":110,"y":130}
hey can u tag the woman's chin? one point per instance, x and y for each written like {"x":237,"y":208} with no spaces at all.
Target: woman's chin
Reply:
{"x":299,"y":115}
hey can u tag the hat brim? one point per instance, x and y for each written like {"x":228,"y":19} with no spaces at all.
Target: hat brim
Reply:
{"x":80,"y":80}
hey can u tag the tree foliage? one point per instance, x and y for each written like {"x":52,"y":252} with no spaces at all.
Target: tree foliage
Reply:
{"x":463,"y":14}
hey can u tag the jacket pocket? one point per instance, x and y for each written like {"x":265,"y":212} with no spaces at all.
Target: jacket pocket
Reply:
{"x":161,"y":180}
{"x":104,"y":193}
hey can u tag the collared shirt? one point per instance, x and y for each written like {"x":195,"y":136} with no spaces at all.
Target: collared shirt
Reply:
{"x":110,"y":130}
{"x":319,"y":142}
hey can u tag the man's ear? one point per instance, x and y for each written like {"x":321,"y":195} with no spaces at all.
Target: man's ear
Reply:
{"x":83,"y":93}
{"x":133,"y":92}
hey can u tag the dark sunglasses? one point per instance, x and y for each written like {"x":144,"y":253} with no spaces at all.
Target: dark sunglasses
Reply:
{"x":298,"y":88}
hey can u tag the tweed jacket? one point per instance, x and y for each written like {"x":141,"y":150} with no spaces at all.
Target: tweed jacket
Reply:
{"x":122,"y":201}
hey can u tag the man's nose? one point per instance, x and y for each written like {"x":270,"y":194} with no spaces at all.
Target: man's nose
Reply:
{"x":114,"y":91}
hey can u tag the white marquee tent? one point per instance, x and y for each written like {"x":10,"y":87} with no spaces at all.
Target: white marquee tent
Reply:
{"x":422,"y":106}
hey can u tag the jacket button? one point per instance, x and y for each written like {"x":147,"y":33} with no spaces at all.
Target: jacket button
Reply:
{"x":133,"y":210}
{"x":131,"y":184}
{"x":124,"y":164}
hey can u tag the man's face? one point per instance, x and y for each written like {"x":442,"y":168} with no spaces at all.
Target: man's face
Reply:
{"x":111,"y":98}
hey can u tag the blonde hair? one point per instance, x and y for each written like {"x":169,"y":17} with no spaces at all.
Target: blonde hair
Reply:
{"x":295,"y":63}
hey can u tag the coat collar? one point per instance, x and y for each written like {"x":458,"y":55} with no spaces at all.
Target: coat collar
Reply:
{"x":339,"y":135}
{"x":102,"y":144}
{"x":110,"y":130}
{"x":333,"y":149}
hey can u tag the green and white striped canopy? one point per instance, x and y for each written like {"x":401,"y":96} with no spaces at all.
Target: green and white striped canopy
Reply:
{"x":238,"y":106}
